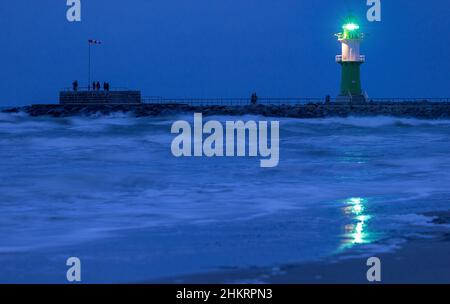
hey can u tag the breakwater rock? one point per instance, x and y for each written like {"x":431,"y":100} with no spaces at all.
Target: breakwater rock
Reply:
{"x":422,"y":110}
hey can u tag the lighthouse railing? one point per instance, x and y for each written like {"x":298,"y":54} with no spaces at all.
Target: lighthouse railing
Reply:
{"x":340,"y":58}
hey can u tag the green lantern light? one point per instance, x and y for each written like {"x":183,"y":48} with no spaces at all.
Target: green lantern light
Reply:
{"x":351,"y":27}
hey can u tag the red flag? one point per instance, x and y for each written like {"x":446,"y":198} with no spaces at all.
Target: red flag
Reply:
{"x":91,"y":41}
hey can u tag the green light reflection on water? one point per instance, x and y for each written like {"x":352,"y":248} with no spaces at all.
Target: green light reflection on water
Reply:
{"x":356,"y":232}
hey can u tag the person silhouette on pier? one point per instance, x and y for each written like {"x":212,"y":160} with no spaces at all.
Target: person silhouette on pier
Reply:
{"x":254,"y":99}
{"x":93,"y":86}
{"x":97,"y":86}
{"x":75,"y":86}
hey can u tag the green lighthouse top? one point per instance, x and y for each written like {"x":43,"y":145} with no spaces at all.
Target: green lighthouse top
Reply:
{"x":351,"y":29}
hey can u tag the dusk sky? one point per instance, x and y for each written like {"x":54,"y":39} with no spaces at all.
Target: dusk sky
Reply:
{"x":220,"y":48}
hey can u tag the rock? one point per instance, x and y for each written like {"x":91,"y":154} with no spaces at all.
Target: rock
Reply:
{"x":425,"y":110}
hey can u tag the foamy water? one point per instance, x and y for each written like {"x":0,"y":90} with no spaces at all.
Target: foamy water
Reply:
{"x":109,"y":190}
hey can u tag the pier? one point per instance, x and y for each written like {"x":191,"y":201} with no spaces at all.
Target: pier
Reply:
{"x":90,"y":97}
{"x":422,"y":109}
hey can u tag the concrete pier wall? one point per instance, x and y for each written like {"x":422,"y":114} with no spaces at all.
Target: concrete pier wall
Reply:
{"x":99,"y":97}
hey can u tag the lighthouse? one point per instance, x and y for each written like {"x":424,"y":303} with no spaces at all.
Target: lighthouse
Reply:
{"x":351,"y":61}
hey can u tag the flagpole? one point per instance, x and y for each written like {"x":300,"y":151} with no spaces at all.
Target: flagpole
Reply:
{"x":89,"y":67}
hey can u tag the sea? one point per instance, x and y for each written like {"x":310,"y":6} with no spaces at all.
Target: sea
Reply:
{"x":107,"y":190}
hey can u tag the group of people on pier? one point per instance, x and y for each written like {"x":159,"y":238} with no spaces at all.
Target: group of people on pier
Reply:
{"x":95,"y":86}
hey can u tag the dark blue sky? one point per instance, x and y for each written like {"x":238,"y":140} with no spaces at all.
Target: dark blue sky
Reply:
{"x":228,"y":48}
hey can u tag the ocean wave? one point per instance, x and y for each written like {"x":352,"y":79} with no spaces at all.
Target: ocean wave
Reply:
{"x":65,"y":178}
{"x":368,"y":122}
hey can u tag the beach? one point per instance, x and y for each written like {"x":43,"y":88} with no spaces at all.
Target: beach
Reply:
{"x":420,"y":260}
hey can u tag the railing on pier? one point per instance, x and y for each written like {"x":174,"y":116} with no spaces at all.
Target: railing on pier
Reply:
{"x":270,"y":101}
{"x":90,"y":89}
{"x":424,"y":99}
{"x":230,"y":101}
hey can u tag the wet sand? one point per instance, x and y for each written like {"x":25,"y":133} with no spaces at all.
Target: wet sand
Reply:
{"x":420,"y":260}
